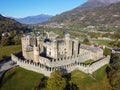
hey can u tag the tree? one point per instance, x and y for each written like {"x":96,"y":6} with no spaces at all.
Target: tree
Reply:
{"x":115,"y":61}
{"x":56,"y":81}
{"x":86,"y":41}
{"x":118,"y":44}
{"x":17,"y":40}
{"x":5,"y":41}
{"x":114,"y":74}
{"x":106,"y":52}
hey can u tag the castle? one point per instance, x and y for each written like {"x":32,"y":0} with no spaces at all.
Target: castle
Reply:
{"x":50,"y":52}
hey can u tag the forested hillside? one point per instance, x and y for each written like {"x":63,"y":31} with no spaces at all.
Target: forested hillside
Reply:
{"x":10,"y":31}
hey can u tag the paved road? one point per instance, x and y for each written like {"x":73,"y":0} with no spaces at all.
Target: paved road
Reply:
{"x":5,"y":65}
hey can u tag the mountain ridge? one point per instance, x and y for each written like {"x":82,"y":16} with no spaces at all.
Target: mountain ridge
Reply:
{"x":33,"y":19}
{"x":79,"y":16}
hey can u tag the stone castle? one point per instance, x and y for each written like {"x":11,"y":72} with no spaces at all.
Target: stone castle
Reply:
{"x":50,"y":52}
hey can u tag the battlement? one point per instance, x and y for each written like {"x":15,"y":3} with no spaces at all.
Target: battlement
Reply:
{"x":64,"y":60}
{"x":45,"y":54}
{"x":46,"y":70}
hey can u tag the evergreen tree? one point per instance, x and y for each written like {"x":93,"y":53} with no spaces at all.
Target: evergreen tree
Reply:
{"x":86,"y":41}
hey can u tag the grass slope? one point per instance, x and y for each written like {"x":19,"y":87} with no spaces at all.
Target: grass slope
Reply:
{"x":20,"y":79}
{"x":85,"y":82}
{"x":5,"y":51}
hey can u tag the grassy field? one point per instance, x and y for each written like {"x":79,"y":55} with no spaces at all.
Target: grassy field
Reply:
{"x":102,"y":42}
{"x":5,"y":51}
{"x":86,"y":82}
{"x":20,"y":79}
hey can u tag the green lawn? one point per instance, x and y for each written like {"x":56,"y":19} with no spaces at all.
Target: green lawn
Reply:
{"x":5,"y":51}
{"x":102,"y":42}
{"x":20,"y":79}
{"x":86,"y":82}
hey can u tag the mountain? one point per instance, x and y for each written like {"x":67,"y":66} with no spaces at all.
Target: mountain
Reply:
{"x":96,"y":3}
{"x":7,"y":25}
{"x":33,"y":19}
{"x":109,"y":14}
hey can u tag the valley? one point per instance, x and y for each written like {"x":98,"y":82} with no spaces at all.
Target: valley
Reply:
{"x":50,"y":55}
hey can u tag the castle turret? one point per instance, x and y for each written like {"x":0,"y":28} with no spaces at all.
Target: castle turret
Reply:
{"x":40,"y":42}
{"x":28,"y":40}
{"x":36,"y":53}
{"x":76,"y":46}
{"x":55,"y":48}
{"x":24,"y":45}
{"x":27,"y":49}
{"x":68,"y":45}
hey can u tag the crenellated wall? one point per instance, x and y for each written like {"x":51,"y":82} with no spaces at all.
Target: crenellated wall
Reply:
{"x":47,"y":66}
{"x":64,"y":60}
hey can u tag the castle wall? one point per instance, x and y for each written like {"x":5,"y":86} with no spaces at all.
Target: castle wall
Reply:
{"x":46,"y":70}
{"x":76,"y":46}
{"x":31,"y":66}
{"x":88,"y":54}
{"x":23,"y":42}
{"x":67,"y":54}
{"x":51,"y":50}
{"x":95,"y":66}
{"x":29,"y":55}
{"x":68,"y":46}
{"x":64,"y":60}
{"x":95,"y":52}
{"x":61,"y":49}
{"x":36,"y":53}
{"x":98,"y":54}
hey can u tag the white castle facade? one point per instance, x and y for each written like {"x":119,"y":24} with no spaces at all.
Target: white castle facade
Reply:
{"x":45,"y":54}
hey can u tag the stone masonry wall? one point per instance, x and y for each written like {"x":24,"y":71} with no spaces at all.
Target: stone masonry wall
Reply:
{"x":64,"y":68}
{"x":65,"y":60}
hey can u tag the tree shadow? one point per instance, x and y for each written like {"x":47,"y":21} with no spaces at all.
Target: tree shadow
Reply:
{"x":108,"y":70}
{"x":71,"y":87}
{"x":5,"y":58}
{"x":41,"y":83}
{"x":7,"y":78}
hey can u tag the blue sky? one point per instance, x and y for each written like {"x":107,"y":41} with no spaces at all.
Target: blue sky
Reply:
{"x":23,"y":8}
